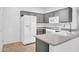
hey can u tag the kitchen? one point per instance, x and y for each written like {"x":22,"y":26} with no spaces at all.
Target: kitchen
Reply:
{"x":57,"y":33}
{"x":50,"y":30}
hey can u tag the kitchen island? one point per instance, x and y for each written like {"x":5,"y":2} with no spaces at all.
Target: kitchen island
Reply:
{"x":57,"y":43}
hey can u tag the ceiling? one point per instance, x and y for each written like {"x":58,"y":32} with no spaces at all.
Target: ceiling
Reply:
{"x":41,"y":9}
{"x":49,"y":9}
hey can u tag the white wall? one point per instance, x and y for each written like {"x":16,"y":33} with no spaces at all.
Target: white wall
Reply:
{"x":1,"y":19}
{"x":12,"y":22}
{"x":1,"y":28}
{"x":78,"y":19}
{"x":11,"y":25}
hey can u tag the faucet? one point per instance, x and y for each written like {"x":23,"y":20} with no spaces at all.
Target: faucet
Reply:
{"x":70,"y":27}
{"x":69,"y":31}
{"x":64,"y":25}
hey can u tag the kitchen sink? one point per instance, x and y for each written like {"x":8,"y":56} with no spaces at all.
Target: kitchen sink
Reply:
{"x":62,"y":33}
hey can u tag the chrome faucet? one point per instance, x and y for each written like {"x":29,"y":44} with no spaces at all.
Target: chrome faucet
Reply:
{"x":70,"y":27}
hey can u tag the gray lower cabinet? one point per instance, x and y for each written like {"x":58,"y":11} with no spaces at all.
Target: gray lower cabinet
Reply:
{"x":41,"y":46}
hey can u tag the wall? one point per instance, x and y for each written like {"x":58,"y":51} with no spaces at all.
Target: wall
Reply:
{"x":1,"y":19}
{"x":12,"y":22}
{"x":78,"y":19}
{"x":1,"y":28}
{"x":74,"y":18}
{"x":11,"y":27}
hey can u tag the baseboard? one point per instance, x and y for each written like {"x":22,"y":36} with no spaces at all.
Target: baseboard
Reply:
{"x":28,"y":43}
{"x":11,"y":42}
{"x":18,"y":42}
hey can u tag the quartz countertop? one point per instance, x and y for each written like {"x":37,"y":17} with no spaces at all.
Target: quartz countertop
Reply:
{"x":54,"y":39}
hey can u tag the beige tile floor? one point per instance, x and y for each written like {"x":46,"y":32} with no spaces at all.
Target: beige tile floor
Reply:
{"x":19,"y":47}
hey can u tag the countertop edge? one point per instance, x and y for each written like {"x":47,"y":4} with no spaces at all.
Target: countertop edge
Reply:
{"x":59,"y":42}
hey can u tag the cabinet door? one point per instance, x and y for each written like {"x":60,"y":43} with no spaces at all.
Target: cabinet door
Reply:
{"x":47,"y":16}
{"x":41,"y":46}
{"x":69,"y":46}
{"x":51,"y":48}
{"x":65,"y":15}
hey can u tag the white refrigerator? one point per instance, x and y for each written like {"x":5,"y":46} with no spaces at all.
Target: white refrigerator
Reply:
{"x":28,"y":26}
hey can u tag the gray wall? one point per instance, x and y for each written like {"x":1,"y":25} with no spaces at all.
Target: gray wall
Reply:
{"x":39,"y":16}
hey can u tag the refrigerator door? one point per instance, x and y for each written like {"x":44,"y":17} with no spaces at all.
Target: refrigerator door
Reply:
{"x":27,"y":29}
{"x":33,"y":28}
{"x":29,"y":25}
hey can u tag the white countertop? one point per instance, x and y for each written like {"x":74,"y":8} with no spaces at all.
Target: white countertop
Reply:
{"x":54,"y":39}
